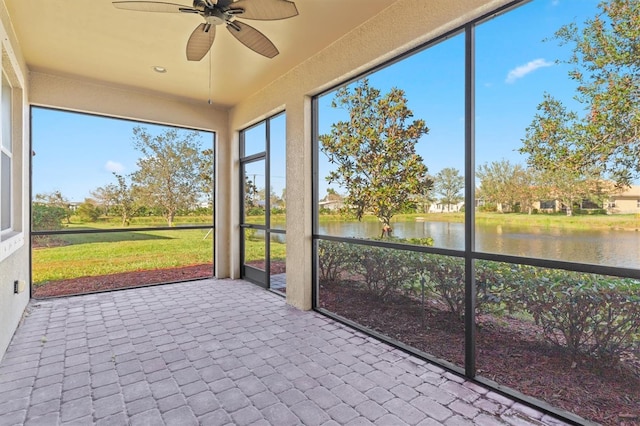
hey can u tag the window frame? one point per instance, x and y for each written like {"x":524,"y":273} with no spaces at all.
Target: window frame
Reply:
{"x":12,"y":238}
{"x":470,"y":254}
{"x":6,"y":151}
{"x":252,"y":274}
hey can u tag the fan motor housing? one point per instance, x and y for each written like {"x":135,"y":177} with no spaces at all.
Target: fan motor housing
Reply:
{"x":214,"y":17}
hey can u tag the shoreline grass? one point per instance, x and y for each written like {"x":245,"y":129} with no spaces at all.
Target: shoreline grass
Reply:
{"x":578,"y":222}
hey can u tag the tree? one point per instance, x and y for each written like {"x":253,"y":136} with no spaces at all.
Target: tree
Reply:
{"x":275,"y":202}
{"x":88,"y":211}
{"x":283,"y":197}
{"x":168,"y":171}
{"x":105,"y":197}
{"x":375,"y":152}
{"x":206,"y":174}
{"x":56,"y":199}
{"x":119,"y":198}
{"x":449,"y":184}
{"x":507,"y":185}
{"x":565,"y":187}
{"x":124,"y":199}
{"x":251,"y":193}
{"x":606,"y":67}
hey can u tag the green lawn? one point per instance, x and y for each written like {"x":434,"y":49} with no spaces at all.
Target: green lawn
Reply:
{"x":109,"y":253}
{"x":103,"y":254}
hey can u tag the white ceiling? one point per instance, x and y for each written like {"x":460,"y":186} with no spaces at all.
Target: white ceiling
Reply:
{"x":93,"y":40}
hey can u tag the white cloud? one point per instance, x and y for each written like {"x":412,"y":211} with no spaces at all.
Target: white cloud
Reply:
{"x":522,"y":70}
{"x":113,"y":166}
{"x":555,"y":2}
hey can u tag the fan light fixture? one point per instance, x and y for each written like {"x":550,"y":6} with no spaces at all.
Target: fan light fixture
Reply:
{"x":159,"y":69}
{"x":222,"y":13}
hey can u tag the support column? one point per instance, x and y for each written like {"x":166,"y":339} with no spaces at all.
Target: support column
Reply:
{"x":299,"y":207}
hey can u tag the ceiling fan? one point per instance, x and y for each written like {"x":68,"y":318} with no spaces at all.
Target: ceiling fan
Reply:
{"x":218,"y":12}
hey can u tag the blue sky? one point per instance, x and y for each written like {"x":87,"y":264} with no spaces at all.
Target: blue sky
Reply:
{"x":77,"y":153}
{"x":514,"y":67}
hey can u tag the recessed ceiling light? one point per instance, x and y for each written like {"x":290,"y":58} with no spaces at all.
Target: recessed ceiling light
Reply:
{"x":159,"y":69}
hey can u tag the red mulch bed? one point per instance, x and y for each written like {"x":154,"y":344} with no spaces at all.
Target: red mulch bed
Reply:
{"x":121,"y":280}
{"x":509,"y":352}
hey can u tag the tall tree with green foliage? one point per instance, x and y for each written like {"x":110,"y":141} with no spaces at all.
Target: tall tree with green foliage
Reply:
{"x":124,"y":199}
{"x":507,"y":185}
{"x":207,"y":175}
{"x":565,"y":187}
{"x":119,"y":198}
{"x":105,"y":197}
{"x":375,"y":152}
{"x":168,"y":170}
{"x":449,"y":185}
{"x":606,"y":66}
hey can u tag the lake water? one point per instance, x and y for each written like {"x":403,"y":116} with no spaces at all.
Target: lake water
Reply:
{"x":598,"y":247}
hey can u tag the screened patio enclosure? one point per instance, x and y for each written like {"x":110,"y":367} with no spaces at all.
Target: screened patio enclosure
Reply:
{"x":461,"y":273}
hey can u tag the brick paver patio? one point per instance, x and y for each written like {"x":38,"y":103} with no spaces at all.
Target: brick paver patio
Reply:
{"x":217,"y":352}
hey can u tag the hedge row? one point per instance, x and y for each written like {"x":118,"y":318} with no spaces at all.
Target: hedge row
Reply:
{"x":584,"y":313}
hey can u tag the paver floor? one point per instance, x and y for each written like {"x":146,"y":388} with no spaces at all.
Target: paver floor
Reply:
{"x":217,"y":352}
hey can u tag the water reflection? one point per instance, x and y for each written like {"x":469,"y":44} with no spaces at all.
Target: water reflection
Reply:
{"x":600,"y":247}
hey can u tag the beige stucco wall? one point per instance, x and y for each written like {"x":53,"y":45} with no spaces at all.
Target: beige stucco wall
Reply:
{"x":625,"y":206}
{"x":15,"y":266}
{"x":407,"y":24}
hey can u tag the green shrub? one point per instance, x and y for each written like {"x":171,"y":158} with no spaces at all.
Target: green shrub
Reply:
{"x":382,"y":270}
{"x":426,"y":241}
{"x":88,"y":212}
{"x":386,"y":270}
{"x":585,"y":313}
{"x":494,"y":292}
{"x":47,"y":218}
{"x":488,"y":207}
{"x":254,"y":211}
{"x":445,"y":278}
{"x":332,"y":259}
{"x":589,"y":211}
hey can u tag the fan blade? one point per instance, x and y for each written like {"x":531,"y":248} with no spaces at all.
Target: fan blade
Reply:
{"x":152,"y":6}
{"x":264,"y":10}
{"x":200,"y":41}
{"x":252,"y":38}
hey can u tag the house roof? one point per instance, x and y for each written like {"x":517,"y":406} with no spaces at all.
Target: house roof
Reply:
{"x":631,"y":192}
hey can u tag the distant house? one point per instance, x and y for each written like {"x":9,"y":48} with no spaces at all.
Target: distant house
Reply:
{"x":440,"y":207}
{"x":332,"y":201}
{"x":333,"y":205}
{"x":547,"y":206}
{"x":625,"y":202}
